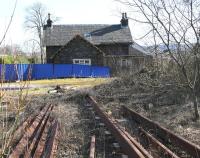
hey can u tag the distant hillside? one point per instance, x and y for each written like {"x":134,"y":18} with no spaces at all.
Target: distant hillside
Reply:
{"x":163,"y":48}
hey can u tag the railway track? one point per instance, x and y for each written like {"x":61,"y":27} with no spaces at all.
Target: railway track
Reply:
{"x":143,"y":138}
{"x":39,"y":138}
{"x":155,"y":134}
{"x":147,"y":139}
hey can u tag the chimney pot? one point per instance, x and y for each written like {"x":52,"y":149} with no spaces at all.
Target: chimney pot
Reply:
{"x":125,"y":15}
{"x":124,"y":20}
{"x":49,"y":21}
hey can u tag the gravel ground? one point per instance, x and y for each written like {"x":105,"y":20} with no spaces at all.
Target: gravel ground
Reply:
{"x":77,"y":126}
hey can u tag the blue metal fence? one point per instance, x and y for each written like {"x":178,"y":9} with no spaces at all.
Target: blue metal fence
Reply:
{"x":12,"y":72}
{"x":42,"y":71}
{"x":62,"y":70}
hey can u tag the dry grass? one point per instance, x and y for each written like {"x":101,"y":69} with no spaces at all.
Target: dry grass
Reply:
{"x":176,"y":117}
{"x":40,"y":87}
{"x":75,"y":133}
{"x":13,"y":105}
{"x":72,"y":81}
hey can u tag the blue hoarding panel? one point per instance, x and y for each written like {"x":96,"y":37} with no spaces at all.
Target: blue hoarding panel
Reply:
{"x":42,"y":71}
{"x":12,"y":72}
{"x":19,"y":71}
{"x":27,"y":72}
{"x":62,"y":70}
{"x":81,"y":70}
{"x":23,"y":71}
{"x":97,"y":71}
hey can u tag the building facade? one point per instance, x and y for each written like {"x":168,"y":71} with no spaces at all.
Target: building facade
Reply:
{"x":95,"y":44}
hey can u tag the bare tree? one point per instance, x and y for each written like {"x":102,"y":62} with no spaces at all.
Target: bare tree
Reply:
{"x":9,"y":24}
{"x":177,"y":23}
{"x":35,"y":20}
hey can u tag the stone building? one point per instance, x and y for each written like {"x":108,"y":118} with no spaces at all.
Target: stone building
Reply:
{"x":93,"y":44}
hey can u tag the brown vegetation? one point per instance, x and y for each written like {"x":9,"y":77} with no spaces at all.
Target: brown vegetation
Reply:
{"x":160,"y":100}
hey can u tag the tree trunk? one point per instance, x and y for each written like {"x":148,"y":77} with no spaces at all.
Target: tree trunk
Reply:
{"x":41,"y":48}
{"x":41,"y":58}
{"x":42,"y":53}
{"x":195,"y":103}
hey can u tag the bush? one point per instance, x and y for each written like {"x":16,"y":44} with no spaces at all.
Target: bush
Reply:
{"x":9,"y":59}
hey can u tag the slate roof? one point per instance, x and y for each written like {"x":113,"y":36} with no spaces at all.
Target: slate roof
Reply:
{"x":97,"y":34}
{"x":74,"y":38}
{"x":138,"y":50}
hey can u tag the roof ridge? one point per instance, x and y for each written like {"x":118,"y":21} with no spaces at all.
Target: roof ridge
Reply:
{"x":100,"y":33}
{"x":85,"y":24}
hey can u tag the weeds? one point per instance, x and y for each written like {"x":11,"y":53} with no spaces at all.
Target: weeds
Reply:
{"x":11,"y":104}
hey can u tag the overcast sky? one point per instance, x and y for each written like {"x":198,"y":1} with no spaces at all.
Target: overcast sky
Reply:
{"x":69,"y":12}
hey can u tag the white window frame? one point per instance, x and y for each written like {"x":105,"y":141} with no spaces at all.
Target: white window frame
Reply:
{"x":82,"y":61}
{"x":122,"y":62}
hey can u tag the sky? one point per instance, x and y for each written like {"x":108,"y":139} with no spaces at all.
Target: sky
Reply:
{"x":68,"y":11}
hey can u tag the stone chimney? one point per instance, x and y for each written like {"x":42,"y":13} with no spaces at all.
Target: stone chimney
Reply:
{"x":124,"y":20}
{"x":49,"y":21}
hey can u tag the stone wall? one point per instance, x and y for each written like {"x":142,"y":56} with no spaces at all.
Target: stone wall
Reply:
{"x":50,"y":52}
{"x":115,"y":49}
{"x":76,"y":49}
{"x":127,"y":63}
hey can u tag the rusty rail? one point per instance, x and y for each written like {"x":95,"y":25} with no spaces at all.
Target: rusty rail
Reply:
{"x":190,"y":148}
{"x":50,"y":149}
{"x":92,"y":147}
{"x":127,"y":143}
{"x":33,"y":142}
{"x":157,"y":145}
